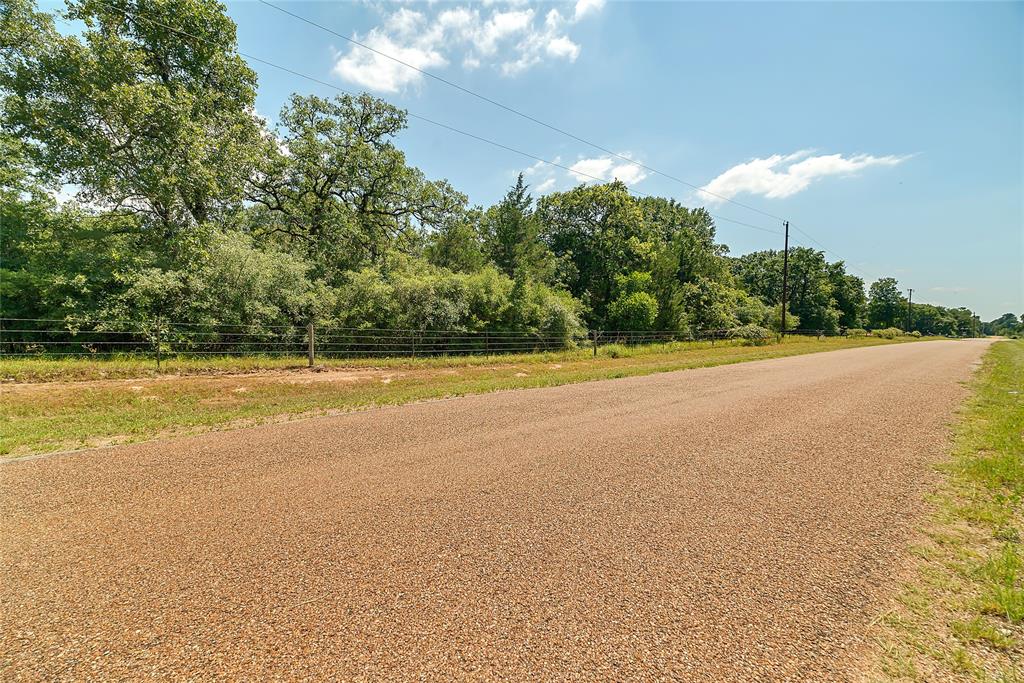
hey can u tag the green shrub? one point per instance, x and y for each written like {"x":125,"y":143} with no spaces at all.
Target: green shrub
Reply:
{"x":888,"y":333}
{"x":916,"y":333}
{"x":634,"y":311}
{"x":856,"y":332}
{"x":416,"y":295}
{"x":753,"y":335}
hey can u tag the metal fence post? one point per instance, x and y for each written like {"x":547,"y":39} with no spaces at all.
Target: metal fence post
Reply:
{"x":311,"y":348}
{"x":158,"y":342}
{"x":594,"y":335}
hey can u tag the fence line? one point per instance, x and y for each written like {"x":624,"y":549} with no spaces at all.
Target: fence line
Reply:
{"x":38,"y":337}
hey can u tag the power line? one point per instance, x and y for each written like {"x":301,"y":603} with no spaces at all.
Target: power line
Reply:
{"x":413,"y":115}
{"x":829,"y":251}
{"x":559,"y":130}
{"x":518,"y":112}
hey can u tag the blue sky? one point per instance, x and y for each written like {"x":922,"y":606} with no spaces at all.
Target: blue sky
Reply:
{"x":890,"y":132}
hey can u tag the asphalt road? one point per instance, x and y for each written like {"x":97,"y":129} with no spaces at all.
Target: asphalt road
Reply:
{"x":734,"y":523}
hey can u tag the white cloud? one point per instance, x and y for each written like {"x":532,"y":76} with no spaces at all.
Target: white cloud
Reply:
{"x":607,"y":169}
{"x":405,"y":21}
{"x":563,"y":47}
{"x":544,"y":186}
{"x":780,"y":176}
{"x":504,"y":36}
{"x":543,"y":177}
{"x":377,"y":72}
{"x":585,"y":7}
{"x":500,"y":26}
{"x":553,"y":19}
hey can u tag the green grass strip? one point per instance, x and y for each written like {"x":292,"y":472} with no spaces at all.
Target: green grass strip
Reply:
{"x":961,"y":615}
{"x":125,"y":407}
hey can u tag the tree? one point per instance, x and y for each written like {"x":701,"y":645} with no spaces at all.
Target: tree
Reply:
{"x":849,"y":296}
{"x":456,"y":245}
{"x":595,"y":232}
{"x":634,"y":307}
{"x":333,"y":185}
{"x":760,"y":274}
{"x":1007,"y":325}
{"x":811,"y":295}
{"x":886,"y":307}
{"x":689,"y":234}
{"x":685,"y":250}
{"x":811,"y":290}
{"x":127,"y":109}
{"x":709,"y":305}
{"x":511,"y":235}
{"x":929,"y":319}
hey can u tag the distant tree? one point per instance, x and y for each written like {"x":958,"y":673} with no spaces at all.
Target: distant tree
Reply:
{"x":886,"y":306}
{"x":709,"y":305}
{"x":811,"y":293}
{"x":760,"y":273}
{"x":511,"y":236}
{"x":849,"y":296}
{"x":456,"y":245}
{"x":933,"y":320}
{"x":1006,"y":324}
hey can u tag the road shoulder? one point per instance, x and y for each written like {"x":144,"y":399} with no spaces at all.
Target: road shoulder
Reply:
{"x":959,"y":615}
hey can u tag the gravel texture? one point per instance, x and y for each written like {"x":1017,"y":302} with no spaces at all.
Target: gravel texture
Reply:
{"x":732,"y":523}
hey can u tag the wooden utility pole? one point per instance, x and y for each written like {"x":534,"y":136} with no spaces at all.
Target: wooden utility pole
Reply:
{"x":785,"y":279}
{"x":910,"y":310}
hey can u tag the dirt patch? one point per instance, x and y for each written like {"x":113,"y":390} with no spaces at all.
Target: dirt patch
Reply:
{"x":296,"y":376}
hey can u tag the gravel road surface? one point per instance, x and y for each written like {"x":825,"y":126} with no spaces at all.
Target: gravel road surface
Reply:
{"x":733,"y":523}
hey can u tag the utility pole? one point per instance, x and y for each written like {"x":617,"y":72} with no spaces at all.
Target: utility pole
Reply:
{"x":785,"y":280}
{"x":910,"y":310}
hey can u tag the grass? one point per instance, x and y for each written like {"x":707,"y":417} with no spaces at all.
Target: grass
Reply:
{"x":123,"y":400}
{"x":960,"y":616}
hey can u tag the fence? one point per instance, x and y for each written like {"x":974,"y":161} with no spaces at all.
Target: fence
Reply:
{"x":21,"y":337}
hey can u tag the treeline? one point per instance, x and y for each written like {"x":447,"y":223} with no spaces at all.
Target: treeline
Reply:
{"x":1006,"y":325}
{"x":188,"y":207}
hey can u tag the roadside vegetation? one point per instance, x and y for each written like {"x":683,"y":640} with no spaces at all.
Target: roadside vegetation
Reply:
{"x":110,"y":402}
{"x":960,"y":615}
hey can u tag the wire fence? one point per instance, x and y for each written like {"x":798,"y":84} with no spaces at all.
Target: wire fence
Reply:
{"x":159,"y":339}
